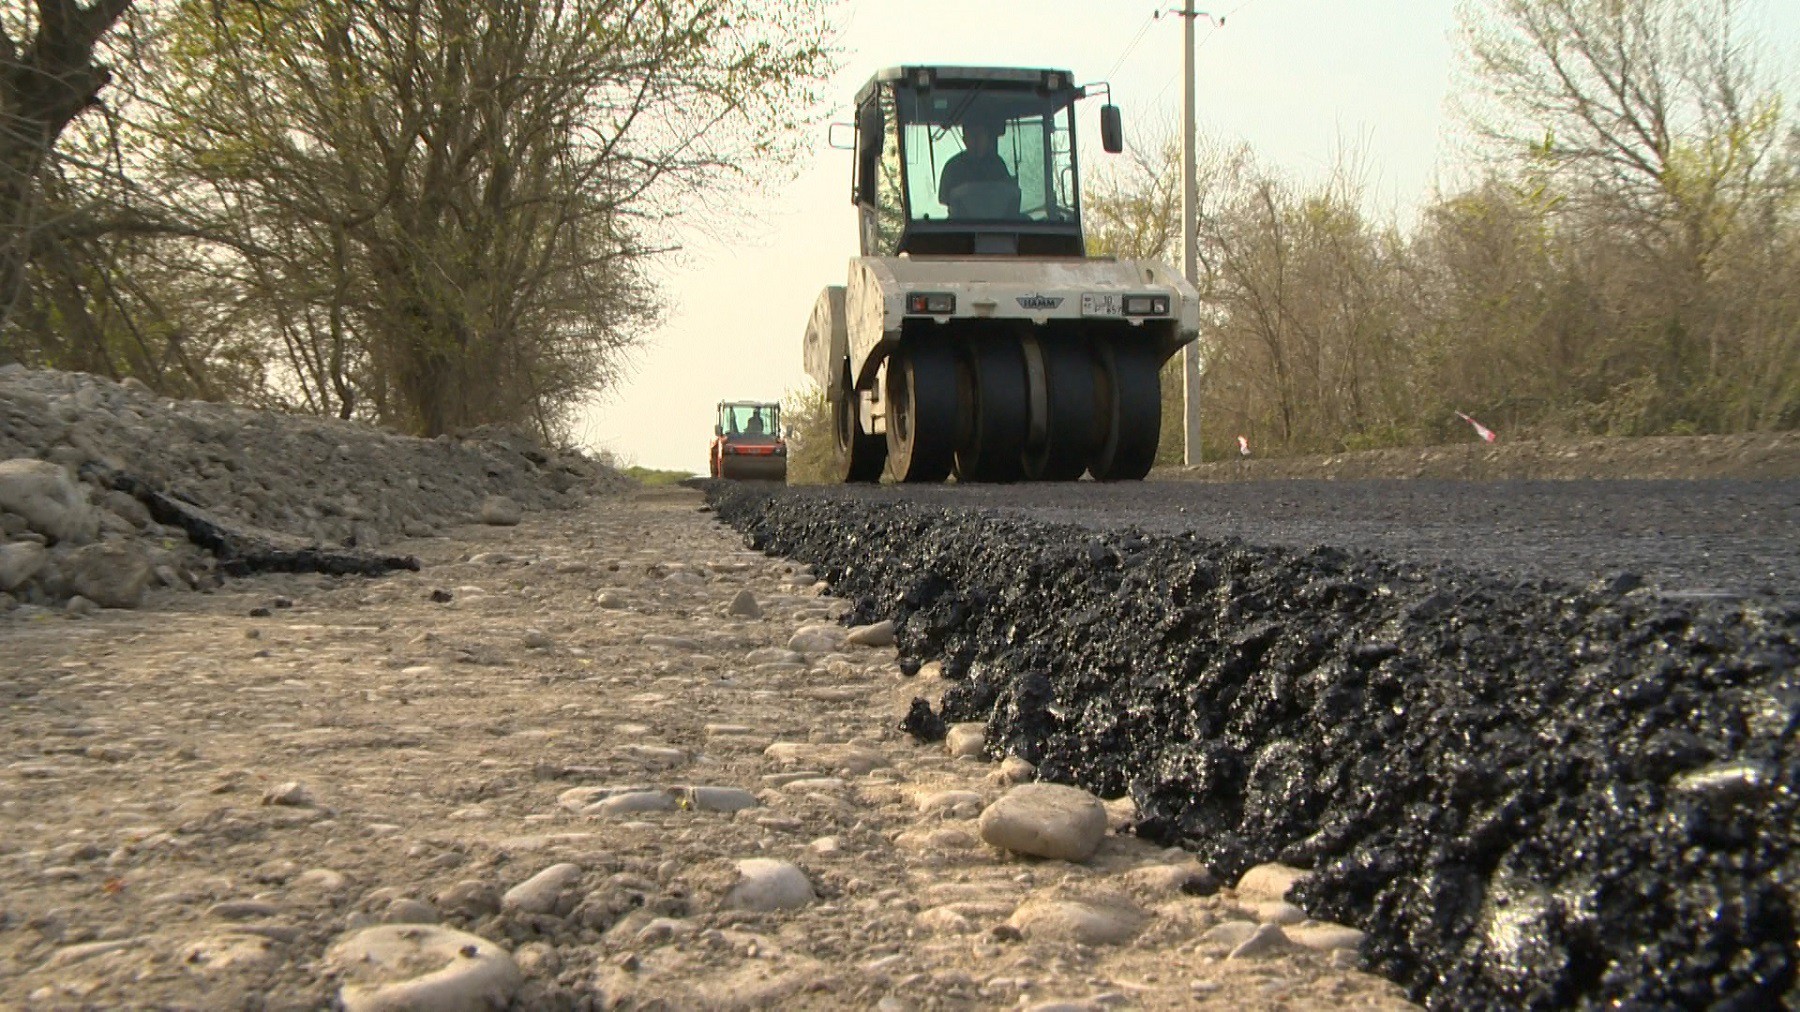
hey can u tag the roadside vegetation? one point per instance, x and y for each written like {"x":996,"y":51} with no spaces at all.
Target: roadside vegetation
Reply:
{"x":807,"y":414}
{"x":652,"y":477}
{"x":430,"y":214}
{"x":1622,"y":262}
{"x":440,"y":214}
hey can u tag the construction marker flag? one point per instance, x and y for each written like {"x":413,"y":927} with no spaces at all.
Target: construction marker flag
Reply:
{"x":1243,"y":447}
{"x":1481,"y":430}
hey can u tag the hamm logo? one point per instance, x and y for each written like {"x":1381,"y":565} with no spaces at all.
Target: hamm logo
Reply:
{"x":1038,"y":303}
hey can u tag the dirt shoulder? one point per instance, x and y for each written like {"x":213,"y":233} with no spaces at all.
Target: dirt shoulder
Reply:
{"x":1755,"y":456}
{"x":539,"y":739}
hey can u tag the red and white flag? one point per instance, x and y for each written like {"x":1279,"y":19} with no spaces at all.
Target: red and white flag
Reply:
{"x":1481,"y":430}
{"x":1243,"y":447}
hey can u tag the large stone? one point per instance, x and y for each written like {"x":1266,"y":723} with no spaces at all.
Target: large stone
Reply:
{"x":578,"y":799}
{"x":1014,"y":770}
{"x":951,"y":804}
{"x":1230,"y":934}
{"x":112,"y":575}
{"x":719,"y":799}
{"x":471,"y":898}
{"x":539,"y":893}
{"x":320,"y":882}
{"x":765,"y":885}
{"x":880,"y":634}
{"x":51,"y":502}
{"x":946,"y":920}
{"x":1168,"y":879}
{"x":408,"y":967}
{"x":774,"y":655}
{"x":744,"y":606}
{"x":826,"y":757}
{"x":1046,"y":820}
{"x":1326,"y":937}
{"x":1268,"y":940}
{"x":1091,"y":921}
{"x":499,"y":511}
{"x":126,"y":507}
{"x":406,"y":910}
{"x":966,"y":740}
{"x":633,"y":803}
{"x":1277,"y":913}
{"x":1268,"y":883}
{"x":292,"y":793}
{"x":20,"y":561}
{"x":818,"y":639}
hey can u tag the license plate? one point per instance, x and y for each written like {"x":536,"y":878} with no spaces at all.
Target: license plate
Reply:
{"x":1101,"y":305}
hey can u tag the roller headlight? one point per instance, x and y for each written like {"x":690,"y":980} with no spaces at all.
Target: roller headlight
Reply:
{"x":1146,"y":305}
{"x":930,"y":304}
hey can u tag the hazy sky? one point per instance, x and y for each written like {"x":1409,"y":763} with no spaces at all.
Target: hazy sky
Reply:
{"x":1296,"y":79}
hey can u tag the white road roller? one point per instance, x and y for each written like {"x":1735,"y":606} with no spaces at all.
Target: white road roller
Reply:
{"x":975,"y":336}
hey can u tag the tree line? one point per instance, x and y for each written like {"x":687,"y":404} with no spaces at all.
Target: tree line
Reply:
{"x":429,"y":214}
{"x":1625,"y":261}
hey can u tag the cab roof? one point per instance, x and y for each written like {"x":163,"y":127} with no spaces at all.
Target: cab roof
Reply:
{"x":949,"y":76}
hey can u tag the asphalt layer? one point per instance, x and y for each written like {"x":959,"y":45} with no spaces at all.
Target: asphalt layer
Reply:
{"x":1740,"y":537}
{"x":1535,"y":780}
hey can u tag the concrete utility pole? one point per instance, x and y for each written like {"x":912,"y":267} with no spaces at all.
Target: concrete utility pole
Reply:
{"x":1190,"y":223}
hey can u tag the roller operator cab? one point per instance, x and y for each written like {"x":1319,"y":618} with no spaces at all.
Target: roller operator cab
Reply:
{"x":975,"y":337}
{"x":748,"y":443}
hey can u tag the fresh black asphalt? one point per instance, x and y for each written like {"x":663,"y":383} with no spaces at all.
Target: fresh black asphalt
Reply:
{"x":1537,"y":739}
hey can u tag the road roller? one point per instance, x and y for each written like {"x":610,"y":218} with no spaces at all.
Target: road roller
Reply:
{"x":975,"y":337}
{"x":748,"y":443}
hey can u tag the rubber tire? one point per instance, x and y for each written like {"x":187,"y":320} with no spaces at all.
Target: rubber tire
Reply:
{"x":997,"y":418}
{"x":735,"y":468}
{"x":922,"y":400}
{"x":1130,"y":411}
{"x":1070,"y":425}
{"x":858,"y":457}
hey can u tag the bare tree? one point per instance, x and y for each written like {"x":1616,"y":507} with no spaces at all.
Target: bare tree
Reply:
{"x":1133,"y":211}
{"x":48,"y":76}
{"x":455,"y":201}
{"x":1651,"y":122}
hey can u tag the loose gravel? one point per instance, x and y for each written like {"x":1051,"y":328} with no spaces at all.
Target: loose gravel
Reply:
{"x":585,"y":752}
{"x":1529,"y":792}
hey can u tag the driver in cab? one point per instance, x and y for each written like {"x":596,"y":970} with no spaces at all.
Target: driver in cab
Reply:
{"x":976,"y":182}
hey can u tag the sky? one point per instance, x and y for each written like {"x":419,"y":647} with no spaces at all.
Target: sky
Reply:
{"x":1298,"y":80}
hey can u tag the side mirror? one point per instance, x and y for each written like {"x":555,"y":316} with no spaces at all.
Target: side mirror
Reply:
{"x":870,"y":125}
{"x":718,"y":430}
{"x":842,"y":136}
{"x":1112,"y":129}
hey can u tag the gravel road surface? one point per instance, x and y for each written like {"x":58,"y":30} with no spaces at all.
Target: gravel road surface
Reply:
{"x":605,"y":758}
{"x":1507,"y":745}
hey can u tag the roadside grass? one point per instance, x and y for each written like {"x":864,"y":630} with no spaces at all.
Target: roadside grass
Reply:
{"x":652,"y":477}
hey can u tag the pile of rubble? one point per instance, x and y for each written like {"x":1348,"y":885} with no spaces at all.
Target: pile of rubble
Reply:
{"x":107,"y":489}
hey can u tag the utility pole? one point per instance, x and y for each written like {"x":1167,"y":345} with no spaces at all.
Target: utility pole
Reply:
{"x":1190,"y":224}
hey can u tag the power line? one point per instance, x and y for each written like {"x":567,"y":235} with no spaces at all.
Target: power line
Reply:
{"x":1202,"y":48}
{"x":1145,"y":30}
{"x":1216,"y":25}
